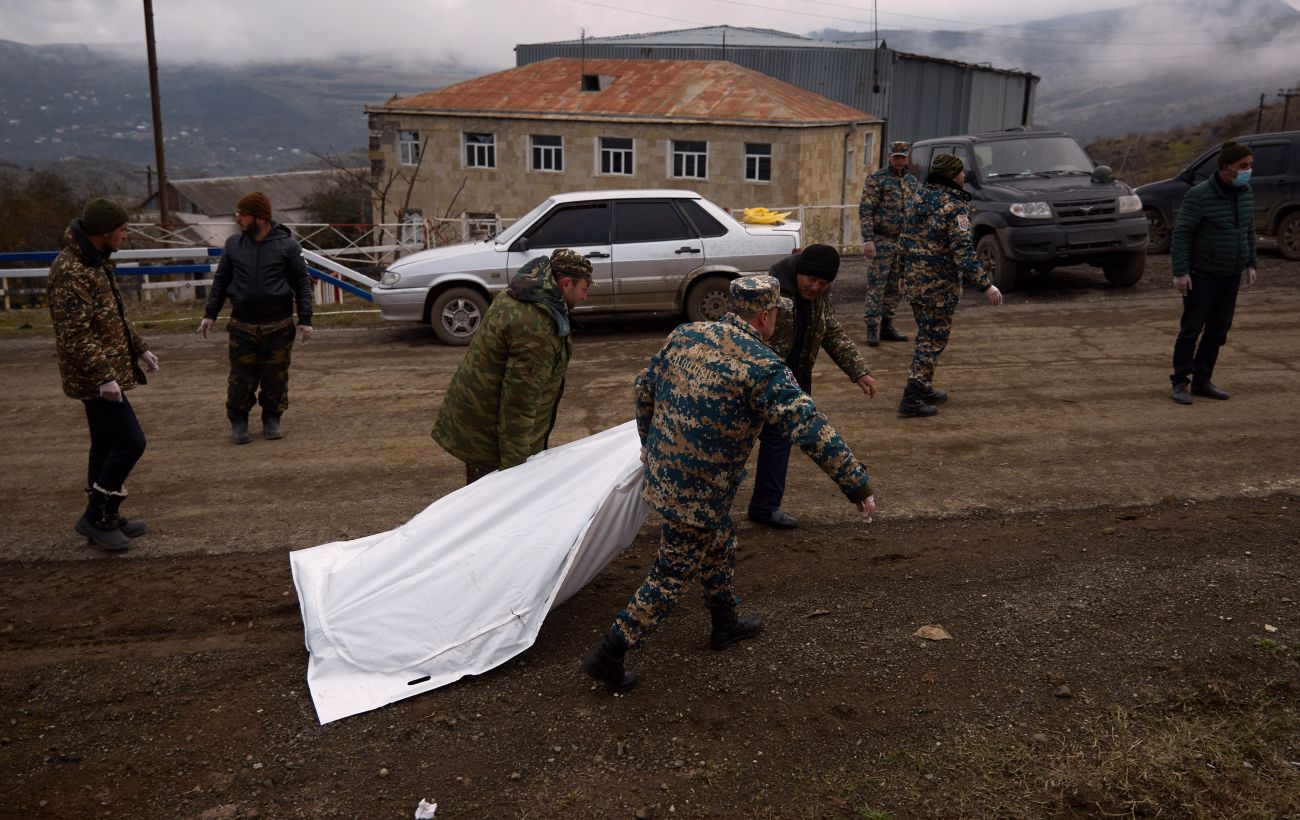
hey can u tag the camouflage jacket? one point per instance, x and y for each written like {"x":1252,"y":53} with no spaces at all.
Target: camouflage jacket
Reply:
{"x":940,"y":250}
{"x":94,"y":342}
{"x":500,"y":406}
{"x":699,"y":407}
{"x":886,"y":200}
{"x":824,"y":331}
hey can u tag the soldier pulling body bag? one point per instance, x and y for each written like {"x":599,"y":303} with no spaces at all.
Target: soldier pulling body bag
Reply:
{"x":699,"y":407}
{"x":940,"y":258}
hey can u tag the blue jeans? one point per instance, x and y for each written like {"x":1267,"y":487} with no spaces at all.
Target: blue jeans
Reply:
{"x":1207,"y":315}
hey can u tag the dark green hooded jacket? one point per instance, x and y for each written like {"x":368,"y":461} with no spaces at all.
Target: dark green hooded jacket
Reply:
{"x":500,"y":406}
{"x":1215,"y":231}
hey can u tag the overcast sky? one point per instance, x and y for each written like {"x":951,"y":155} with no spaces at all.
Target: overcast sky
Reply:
{"x":477,"y":33}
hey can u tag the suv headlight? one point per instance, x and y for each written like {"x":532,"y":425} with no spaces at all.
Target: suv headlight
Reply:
{"x":1130,"y":203}
{"x":1032,"y":210}
{"x":390,"y":278}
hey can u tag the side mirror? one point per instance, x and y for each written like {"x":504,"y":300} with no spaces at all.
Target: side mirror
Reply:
{"x":521,"y":244}
{"x":1103,"y":173}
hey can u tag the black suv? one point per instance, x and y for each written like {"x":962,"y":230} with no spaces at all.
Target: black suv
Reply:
{"x":1040,"y":203}
{"x":1275,"y":183}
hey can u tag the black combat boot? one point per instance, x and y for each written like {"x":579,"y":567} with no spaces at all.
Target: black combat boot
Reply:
{"x":728,"y":627}
{"x":271,"y":427}
{"x":888,"y":334}
{"x":239,"y":431}
{"x":605,"y":664}
{"x":932,"y":395}
{"x":913,"y":403}
{"x":98,"y":526}
{"x":130,"y":527}
{"x":873,"y":335}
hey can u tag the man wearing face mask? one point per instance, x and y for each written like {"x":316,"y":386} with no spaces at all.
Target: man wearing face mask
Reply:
{"x":1213,"y":248}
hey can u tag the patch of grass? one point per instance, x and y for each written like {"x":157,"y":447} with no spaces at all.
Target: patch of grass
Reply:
{"x":161,"y":315}
{"x":1269,"y":645}
{"x":1209,"y":753}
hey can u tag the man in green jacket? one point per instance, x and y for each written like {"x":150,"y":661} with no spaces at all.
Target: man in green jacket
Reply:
{"x":500,"y":406}
{"x":1213,"y":246}
{"x":100,"y":358}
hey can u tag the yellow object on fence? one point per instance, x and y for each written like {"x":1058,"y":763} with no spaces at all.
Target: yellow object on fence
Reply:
{"x":762,"y":216}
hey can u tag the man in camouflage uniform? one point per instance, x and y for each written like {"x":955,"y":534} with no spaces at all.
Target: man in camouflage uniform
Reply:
{"x":809,"y":326}
{"x":940,"y":258}
{"x":99,"y":356}
{"x":699,"y":407}
{"x":886,"y":199}
{"x":264,"y":275}
{"x":500,"y":407}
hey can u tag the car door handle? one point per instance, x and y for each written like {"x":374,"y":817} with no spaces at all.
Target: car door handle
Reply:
{"x":597,"y":255}
{"x":688,"y":249}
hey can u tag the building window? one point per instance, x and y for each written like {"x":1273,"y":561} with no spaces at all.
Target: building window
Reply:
{"x":480,"y":150}
{"x":478,"y":226}
{"x":869,"y":149}
{"x":758,"y":161}
{"x":408,"y":147}
{"x":690,"y":159}
{"x":548,"y":153}
{"x":616,"y":155}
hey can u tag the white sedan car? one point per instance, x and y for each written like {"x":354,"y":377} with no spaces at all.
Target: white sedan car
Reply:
{"x":657,"y":250}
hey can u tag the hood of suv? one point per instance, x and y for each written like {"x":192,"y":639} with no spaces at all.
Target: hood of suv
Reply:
{"x":1018,"y":189}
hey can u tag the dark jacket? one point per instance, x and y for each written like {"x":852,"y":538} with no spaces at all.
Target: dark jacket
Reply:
{"x":823,"y":331}
{"x":94,"y":342}
{"x":262,"y":279}
{"x":1215,"y":231}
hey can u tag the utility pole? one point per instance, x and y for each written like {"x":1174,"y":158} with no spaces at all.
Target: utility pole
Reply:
{"x":164,"y":215}
{"x":1286,"y":94}
{"x":1259,"y":118}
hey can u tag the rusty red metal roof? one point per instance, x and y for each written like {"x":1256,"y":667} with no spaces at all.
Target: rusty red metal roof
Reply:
{"x":692,"y":90}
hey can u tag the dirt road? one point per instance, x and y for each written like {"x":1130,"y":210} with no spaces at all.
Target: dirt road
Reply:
{"x":1061,"y":517}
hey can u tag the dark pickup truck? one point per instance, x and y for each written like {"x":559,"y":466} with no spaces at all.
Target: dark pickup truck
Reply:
{"x":1275,"y":183}
{"x":1040,"y":202}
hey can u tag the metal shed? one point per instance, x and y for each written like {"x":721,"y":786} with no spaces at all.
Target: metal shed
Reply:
{"x":917,"y":96}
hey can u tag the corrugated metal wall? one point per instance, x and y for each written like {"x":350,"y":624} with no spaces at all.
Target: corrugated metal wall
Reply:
{"x":918,"y":97}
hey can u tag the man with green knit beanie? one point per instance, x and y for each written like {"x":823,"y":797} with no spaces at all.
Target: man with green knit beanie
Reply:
{"x":1213,"y":250}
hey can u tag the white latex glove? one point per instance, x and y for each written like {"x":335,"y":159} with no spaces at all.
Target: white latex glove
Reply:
{"x":304,"y":333}
{"x":867,"y":508}
{"x":110,"y":391}
{"x":1184,"y":284}
{"x":1250,"y":278}
{"x":993,"y":295}
{"x":204,"y":326}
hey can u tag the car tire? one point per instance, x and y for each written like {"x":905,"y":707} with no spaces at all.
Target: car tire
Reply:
{"x":456,"y":314}
{"x":1158,"y":232}
{"x":708,"y":299}
{"x":1001,"y":269}
{"x":1288,"y":236}
{"x":1126,"y":269}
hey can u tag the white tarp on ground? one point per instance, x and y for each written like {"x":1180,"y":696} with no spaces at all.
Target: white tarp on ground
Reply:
{"x":464,"y":586}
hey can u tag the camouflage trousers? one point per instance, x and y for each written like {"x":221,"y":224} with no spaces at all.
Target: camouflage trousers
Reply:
{"x":933,"y":325}
{"x":883,"y":274}
{"x":684,"y":552}
{"x":259,"y":357}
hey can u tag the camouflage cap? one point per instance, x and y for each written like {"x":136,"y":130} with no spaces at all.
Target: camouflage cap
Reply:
{"x":898,"y":148}
{"x":750,"y":294}
{"x":566,"y":262}
{"x":946,"y":165}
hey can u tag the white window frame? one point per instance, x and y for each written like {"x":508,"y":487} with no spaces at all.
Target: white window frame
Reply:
{"x":485,"y":153}
{"x":756,"y":157}
{"x":408,"y":147}
{"x":629,"y":154}
{"x":869,"y":149}
{"x":689,"y":158}
{"x":554,"y":152}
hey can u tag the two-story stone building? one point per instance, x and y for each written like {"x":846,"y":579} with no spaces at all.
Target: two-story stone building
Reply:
{"x":497,"y":145}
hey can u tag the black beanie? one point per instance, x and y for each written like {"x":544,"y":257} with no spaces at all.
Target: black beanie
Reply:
{"x":1231,"y":151}
{"x":820,"y":261}
{"x":103,"y":216}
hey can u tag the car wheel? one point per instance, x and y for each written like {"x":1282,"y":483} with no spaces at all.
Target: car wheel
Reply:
{"x":1002,"y":270}
{"x":1158,"y":234}
{"x":1288,"y":236}
{"x":456,"y":314}
{"x":708,"y":299}
{"x":1125,"y":270}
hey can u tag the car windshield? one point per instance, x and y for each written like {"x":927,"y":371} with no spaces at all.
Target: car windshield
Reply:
{"x":1034,"y":156}
{"x":508,"y":235}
